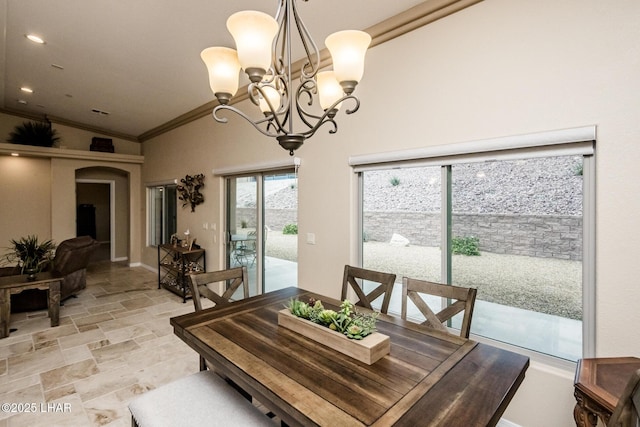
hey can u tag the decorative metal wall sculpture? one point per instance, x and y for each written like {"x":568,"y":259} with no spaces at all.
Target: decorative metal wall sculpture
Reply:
{"x":189,"y":191}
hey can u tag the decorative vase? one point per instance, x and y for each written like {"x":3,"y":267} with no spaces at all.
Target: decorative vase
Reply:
{"x":31,"y":274}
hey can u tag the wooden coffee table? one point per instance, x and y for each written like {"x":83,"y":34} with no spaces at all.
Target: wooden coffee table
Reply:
{"x":15,"y":284}
{"x":598,"y":385}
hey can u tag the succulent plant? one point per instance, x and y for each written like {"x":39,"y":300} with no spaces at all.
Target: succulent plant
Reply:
{"x":346,"y":321}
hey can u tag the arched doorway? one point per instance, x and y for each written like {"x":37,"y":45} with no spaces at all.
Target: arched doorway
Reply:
{"x":102,"y":210}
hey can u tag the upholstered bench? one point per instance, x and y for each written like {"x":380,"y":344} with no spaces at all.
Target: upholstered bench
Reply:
{"x":201,"y":399}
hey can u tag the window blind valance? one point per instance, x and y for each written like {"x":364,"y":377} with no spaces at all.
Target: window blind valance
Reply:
{"x":565,"y":142}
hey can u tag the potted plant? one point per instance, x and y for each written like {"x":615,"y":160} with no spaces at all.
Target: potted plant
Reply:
{"x":31,"y":255}
{"x":346,"y":321}
{"x":34,"y":133}
{"x":345,"y":330}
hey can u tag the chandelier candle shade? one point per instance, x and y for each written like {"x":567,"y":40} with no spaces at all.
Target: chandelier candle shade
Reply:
{"x":264,"y":53}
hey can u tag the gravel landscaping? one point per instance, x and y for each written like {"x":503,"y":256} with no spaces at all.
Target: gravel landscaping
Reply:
{"x":546,"y":285}
{"x":550,"y":286}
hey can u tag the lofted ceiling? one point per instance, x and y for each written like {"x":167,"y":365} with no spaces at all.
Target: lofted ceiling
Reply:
{"x":137,"y":60}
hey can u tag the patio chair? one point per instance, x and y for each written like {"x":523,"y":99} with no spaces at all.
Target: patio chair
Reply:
{"x":355,"y":277}
{"x":627,"y":411}
{"x":464,"y":301}
{"x":245,"y":253}
{"x":200,"y":399}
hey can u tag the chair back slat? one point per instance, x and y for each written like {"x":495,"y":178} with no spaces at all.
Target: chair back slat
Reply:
{"x":432,"y":320}
{"x":464,"y":300}
{"x":451,"y":310}
{"x":233,"y":278}
{"x":385,"y":287}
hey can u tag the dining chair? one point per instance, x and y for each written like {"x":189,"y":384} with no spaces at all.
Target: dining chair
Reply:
{"x":200,"y":399}
{"x":231,"y":280}
{"x":627,"y":411}
{"x":356,"y":276}
{"x":464,"y":301}
{"x":202,"y":285}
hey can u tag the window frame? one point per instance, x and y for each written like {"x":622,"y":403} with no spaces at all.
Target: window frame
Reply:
{"x":151,"y":211}
{"x":566,"y":142}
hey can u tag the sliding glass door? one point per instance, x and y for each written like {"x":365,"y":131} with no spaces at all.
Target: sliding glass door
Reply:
{"x":262,"y":229}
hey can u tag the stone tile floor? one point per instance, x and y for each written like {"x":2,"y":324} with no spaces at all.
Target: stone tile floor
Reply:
{"x":113,"y":343}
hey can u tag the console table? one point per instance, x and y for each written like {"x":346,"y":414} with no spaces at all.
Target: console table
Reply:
{"x":15,"y":284}
{"x":175,"y":264}
{"x":598,"y":385}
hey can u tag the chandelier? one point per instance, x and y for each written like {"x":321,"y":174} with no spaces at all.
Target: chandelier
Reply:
{"x":264,"y":54}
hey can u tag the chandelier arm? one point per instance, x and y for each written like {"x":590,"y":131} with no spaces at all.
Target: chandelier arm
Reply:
{"x":351,"y":111}
{"x":274,"y":117}
{"x":255,"y":124}
{"x":326,"y":119}
{"x":279,"y":42}
{"x":286,"y":94}
{"x":308,"y":88}
{"x":302,"y":112}
{"x":313,"y":56}
{"x":281,"y":5}
{"x":327,"y":116}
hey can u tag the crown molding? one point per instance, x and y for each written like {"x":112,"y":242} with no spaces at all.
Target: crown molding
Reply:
{"x":65,"y":153}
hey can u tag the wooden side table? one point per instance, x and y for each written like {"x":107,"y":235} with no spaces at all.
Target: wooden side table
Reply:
{"x":16,"y":284}
{"x":598,"y":385}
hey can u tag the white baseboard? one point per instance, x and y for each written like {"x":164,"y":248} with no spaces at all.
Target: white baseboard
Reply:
{"x":122,"y":258}
{"x":148,"y":267}
{"x":506,"y":423}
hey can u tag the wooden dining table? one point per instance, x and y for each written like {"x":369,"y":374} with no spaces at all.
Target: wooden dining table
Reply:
{"x":429,"y":378}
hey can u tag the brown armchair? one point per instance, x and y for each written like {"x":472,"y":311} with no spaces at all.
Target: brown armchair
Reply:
{"x":70,"y":261}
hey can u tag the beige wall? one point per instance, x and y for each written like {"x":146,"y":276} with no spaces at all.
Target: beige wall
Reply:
{"x":25,"y":195}
{"x":501,"y":67}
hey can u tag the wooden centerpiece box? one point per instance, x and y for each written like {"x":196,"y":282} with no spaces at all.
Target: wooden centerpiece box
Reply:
{"x":368,"y":350}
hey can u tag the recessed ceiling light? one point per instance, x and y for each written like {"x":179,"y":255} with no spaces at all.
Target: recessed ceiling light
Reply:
{"x":35,"y":38}
{"x":26,"y":89}
{"x":22,"y":101}
{"x":15,"y":154}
